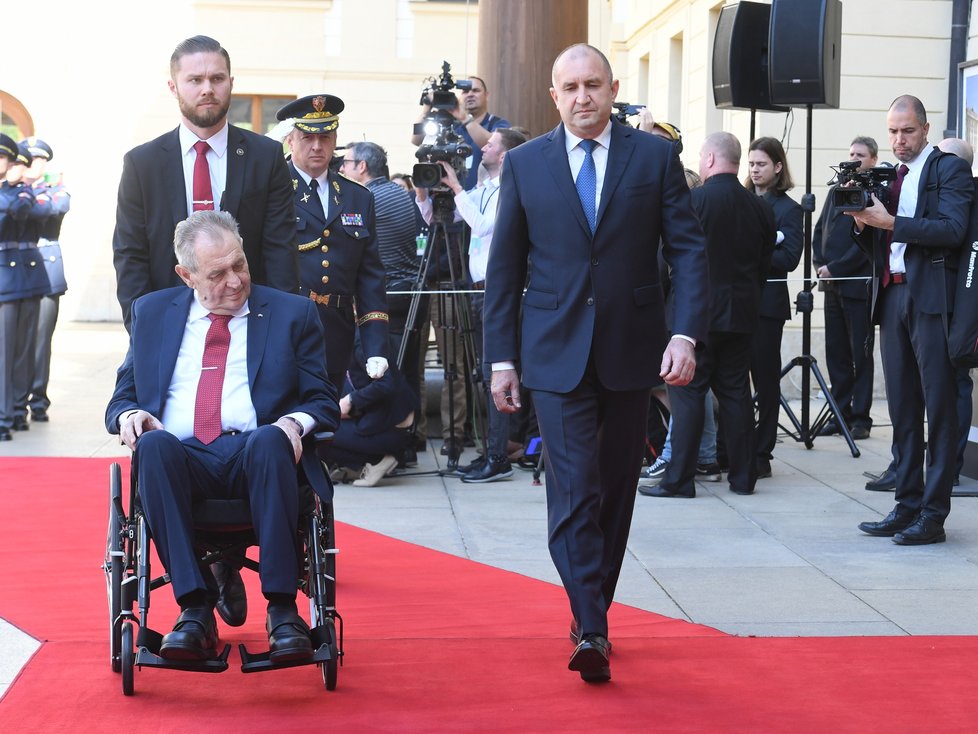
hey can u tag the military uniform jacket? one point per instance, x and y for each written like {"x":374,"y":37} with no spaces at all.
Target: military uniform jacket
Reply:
{"x":49,"y":245}
{"x":22,"y":273}
{"x":339,"y":256}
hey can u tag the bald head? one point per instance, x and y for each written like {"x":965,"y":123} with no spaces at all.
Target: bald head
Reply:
{"x":961,"y":148}
{"x":577,"y":51}
{"x":720,"y":154}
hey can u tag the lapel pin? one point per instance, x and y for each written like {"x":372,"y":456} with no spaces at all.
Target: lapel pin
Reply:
{"x":240,"y":151}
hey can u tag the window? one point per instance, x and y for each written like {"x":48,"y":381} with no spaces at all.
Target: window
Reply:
{"x":256,"y":112}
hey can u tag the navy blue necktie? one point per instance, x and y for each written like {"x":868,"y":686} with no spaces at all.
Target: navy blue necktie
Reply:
{"x":587,"y":179}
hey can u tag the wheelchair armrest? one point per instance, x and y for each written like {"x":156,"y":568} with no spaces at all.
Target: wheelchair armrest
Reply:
{"x":322,"y":437}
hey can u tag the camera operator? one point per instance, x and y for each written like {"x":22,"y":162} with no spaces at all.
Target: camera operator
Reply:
{"x":474,"y":123}
{"x":914,"y":249}
{"x":478,"y":209}
{"x":849,"y":334}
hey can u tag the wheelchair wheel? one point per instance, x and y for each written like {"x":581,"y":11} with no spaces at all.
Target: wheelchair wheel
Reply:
{"x":128,"y":659}
{"x":114,"y":567}
{"x":330,"y":668}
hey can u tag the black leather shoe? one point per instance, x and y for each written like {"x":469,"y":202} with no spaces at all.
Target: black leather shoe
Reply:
{"x":194,"y":636}
{"x":885,"y":483}
{"x":763,"y":468}
{"x":657,"y":490}
{"x":5,"y":434}
{"x":21,"y":424}
{"x":492,"y":470}
{"x":232,"y":601}
{"x":288,"y":636}
{"x":575,"y":635}
{"x":889,"y":526}
{"x":859,"y":433}
{"x":39,"y":416}
{"x":923,"y":532}
{"x":451,"y":448}
{"x":590,"y":659}
{"x":830,"y":429}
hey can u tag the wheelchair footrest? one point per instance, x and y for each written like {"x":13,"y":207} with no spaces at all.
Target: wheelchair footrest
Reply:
{"x":145,"y":658}
{"x":261,"y":661}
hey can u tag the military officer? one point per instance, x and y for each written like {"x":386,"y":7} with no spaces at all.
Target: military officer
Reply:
{"x":49,"y":246}
{"x":23,"y":281}
{"x":339,"y":262}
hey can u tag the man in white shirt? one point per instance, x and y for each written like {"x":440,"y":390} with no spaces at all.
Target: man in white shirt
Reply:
{"x":477,"y":208}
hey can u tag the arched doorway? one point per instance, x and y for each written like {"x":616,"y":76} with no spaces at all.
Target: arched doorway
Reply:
{"x":15,"y":120}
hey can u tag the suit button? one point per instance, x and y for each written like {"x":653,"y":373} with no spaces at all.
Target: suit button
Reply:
{"x":590,"y":302}
{"x":325,"y":233}
{"x":325,"y":248}
{"x":356,"y":234}
{"x":325,"y":263}
{"x":325,"y":279}
{"x":594,"y":261}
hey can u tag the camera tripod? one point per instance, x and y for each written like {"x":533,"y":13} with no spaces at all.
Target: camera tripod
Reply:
{"x":456,"y":306}
{"x":804,"y":430}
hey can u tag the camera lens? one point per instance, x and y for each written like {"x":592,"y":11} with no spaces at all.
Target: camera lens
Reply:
{"x":426,"y":175}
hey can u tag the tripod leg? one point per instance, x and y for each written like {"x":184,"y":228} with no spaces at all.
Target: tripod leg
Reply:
{"x":833,"y":409}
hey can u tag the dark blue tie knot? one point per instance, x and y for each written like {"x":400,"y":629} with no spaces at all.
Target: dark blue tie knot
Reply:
{"x":589,"y":146}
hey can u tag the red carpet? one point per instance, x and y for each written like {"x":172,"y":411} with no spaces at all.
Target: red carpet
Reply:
{"x":436,"y":643}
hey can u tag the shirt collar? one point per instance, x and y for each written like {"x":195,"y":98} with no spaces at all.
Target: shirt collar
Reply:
{"x":917,"y":163}
{"x":218,"y":141}
{"x":199,"y":311}
{"x":323,"y":180}
{"x":604,"y":139}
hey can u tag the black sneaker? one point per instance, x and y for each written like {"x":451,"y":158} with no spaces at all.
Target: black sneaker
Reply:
{"x":708,"y":472}
{"x":493,"y":470}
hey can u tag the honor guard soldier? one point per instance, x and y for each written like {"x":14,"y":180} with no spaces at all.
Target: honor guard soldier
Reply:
{"x":23,"y":281}
{"x":49,"y":246}
{"x":339,"y":262}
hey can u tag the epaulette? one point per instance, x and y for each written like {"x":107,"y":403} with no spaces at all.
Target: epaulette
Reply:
{"x":347,"y":178}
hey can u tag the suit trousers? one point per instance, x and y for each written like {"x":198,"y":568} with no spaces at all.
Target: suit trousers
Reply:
{"x":47,"y":320}
{"x":593,"y":441}
{"x":919,"y":377}
{"x":849,"y":338}
{"x":723,"y":364}
{"x":258,"y":466}
{"x":450,"y":319}
{"x":18,"y":335}
{"x":765,"y":371}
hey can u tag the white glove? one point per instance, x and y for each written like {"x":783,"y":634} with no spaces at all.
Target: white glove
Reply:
{"x":376,"y":367}
{"x":779,"y":239}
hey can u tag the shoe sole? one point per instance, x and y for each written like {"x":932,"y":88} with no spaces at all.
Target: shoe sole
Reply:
{"x":881,"y":533}
{"x":881,"y":489}
{"x":903,"y":541}
{"x":182,"y":653}
{"x":290,"y":654}
{"x":592,"y":665}
{"x":493,"y":478}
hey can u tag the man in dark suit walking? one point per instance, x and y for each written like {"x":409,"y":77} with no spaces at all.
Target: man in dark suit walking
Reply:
{"x":914,"y":249}
{"x":221,"y":383}
{"x":205,"y":163}
{"x":740,"y":235}
{"x":582,"y":210}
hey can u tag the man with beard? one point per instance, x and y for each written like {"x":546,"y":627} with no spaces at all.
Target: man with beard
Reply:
{"x":205,"y":163}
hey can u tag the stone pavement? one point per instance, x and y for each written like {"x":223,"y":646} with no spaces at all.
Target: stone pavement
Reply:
{"x":786,"y":561}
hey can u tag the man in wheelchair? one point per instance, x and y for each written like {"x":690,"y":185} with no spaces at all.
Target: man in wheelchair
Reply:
{"x":221,"y":383}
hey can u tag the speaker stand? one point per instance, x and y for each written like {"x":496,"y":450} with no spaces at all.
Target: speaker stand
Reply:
{"x":804,"y":430}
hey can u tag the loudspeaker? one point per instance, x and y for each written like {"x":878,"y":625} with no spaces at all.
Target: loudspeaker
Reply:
{"x":740,"y":58}
{"x":805,"y":44}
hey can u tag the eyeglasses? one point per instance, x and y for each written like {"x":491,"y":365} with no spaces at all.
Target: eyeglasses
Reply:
{"x":349,"y":160}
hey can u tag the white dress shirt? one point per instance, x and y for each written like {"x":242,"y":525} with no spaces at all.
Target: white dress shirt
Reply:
{"x":217,"y":164}
{"x":908,"y":205}
{"x":322,"y":182}
{"x":237,"y":410}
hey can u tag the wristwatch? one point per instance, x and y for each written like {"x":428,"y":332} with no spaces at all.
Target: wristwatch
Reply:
{"x":298,"y":424}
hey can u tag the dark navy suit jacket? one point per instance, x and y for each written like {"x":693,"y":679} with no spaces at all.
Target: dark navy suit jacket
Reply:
{"x":286,"y":363}
{"x":593,"y":295}
{"x":153,"y":200}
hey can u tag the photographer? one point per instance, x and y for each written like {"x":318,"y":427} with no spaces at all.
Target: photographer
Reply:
{"x":474,"y":123}
{"x":914,"y":249}
{"x":478,"y":209}
{"x":849,"y":335}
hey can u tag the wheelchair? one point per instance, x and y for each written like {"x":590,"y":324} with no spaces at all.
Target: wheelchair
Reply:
{"x":222,"y":531}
